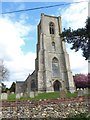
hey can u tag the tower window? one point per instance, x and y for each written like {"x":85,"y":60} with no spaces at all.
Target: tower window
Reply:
{"x":55,"y":67}
{"x":53,"y":45}
{"x":52,"y":28}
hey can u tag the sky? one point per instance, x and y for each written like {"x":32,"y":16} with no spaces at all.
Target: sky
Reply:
{"x":18,"y":34}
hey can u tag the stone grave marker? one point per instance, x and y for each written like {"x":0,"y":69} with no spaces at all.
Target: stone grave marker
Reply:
{"x":36,"y":93}
{"x":80,"y":92}
{"x":18,"y":96}
{"x":4,"y":96}
{"x":32,"y":94}
{"x":12,"y":92}
{"x":8,"y":92}
{"x":85,"y":91}
{"x":25,"y":95}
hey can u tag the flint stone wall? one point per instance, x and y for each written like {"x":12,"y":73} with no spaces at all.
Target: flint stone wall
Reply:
{"x":55,"y":108}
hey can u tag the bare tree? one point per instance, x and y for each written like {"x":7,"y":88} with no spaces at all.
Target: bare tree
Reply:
{"x":4,"y":74}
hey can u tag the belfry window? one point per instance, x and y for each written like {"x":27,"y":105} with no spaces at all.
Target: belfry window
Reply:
{"x":52,"y":28}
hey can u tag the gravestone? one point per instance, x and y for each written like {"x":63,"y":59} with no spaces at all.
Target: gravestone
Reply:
{"x":80,"y":92}
{"x":25,"y":95}
{"x":36,"y":93}
{"x":85,"y":91}
{"x":12,"y":92}
{"x":32,"y":94}
{"x":18,"y":96}
{"x":8,"y":92}
{"x":4,"y":96}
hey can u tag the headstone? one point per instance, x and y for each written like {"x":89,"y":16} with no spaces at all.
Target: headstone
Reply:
{"x":8,"y":92}
{"x":77,"y":89}
{"x":4,"y":96}
{"x":32,"y":94}
{"x":36,"y":93}
{"x":12,"y":92}
{"x":80,"y":92}
{"x":85,"y":91}
{"x":26,"y":95}
{"x":18,"y":96}
{"x":63,"y":94}
{"x":21,"y":94}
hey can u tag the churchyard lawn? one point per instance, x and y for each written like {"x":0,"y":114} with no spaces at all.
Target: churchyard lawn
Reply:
{"x":51,"y":95}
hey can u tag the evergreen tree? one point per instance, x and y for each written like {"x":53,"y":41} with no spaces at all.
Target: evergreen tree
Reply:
{"x":3,"y":87}
{"x":12,"y":88}
{"x":80,"y":38}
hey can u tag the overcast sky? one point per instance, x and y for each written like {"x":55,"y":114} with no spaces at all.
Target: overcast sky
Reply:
{"x":18,"y":35}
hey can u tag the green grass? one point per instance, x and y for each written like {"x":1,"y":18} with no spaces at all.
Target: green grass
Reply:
{"x":12,"y":97}
{"x":71,"y":94}
{"x":81,"y":116}
{"x":50,"y":95}
{"x":53,"y":95}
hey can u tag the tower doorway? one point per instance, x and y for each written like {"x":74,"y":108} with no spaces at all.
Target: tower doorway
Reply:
{"x":56,"y":85}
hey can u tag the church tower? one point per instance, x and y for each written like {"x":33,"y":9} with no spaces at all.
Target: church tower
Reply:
{"x":52,"y":63}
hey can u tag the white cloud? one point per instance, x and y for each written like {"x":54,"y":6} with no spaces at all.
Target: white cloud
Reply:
{"x":11,"y":40}
{"x":75,"y":15}
{"x":77,"y":62}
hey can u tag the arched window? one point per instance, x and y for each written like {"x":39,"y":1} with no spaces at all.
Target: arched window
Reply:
{"x":33,"y":85}
{"x":52,"y":28}
{"x":53,"y":45}
{"x":55,"y":67}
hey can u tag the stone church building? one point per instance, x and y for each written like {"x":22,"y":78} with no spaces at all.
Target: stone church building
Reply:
{"x":52,"y":67}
